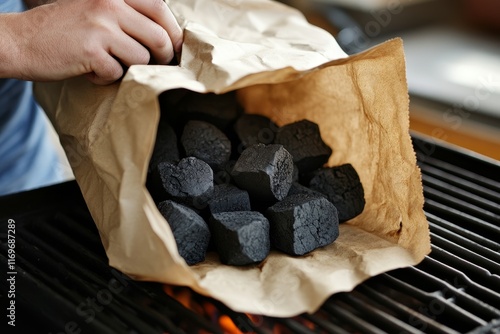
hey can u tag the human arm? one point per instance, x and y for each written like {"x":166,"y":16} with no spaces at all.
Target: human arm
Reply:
{"x":68,"y":38}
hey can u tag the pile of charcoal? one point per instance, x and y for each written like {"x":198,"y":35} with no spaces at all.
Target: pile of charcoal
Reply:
{"x":240,"y":185}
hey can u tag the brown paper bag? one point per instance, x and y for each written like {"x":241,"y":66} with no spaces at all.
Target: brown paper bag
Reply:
{"x":286,"y":69}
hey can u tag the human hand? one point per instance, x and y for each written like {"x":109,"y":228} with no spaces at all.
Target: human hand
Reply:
{"x":68,"y":38}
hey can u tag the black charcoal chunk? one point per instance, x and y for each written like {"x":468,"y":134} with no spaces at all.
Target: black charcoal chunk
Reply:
{"x":303,"y":140}
{"x":342,"y":186}
{"x":298,"y":188}
{"x":302,"y":223}
{"x":296,"y":174}
{"x":223,"y":175}
{"x":220,"y":110}
{"x":254,"y":129}
{"x":206,"y":142}
{"x":191,"y":232}
{"x":227,"y":198}
{"x":264,"y":171}
{"x":165,"y":148}
{"x":240,"y":237}
{"x":169,"y":107}
{"x":189,"y":182}
{"x":170,"y":99}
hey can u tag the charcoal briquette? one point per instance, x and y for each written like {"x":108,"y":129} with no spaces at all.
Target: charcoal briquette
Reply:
{"x":302,"y":223}
{"x":254,"y":129}
{"x":265,"y":171}
{"x":191,"y":232}
{"x":170,"y":99}
{"x":303,"y":140}
{"x":165,"y":148}
{"x":206,"y":142}
{"x":342,"y":186}
{"x":298,"y":188}
{"x":223,"y":175}
{"x":227,"y":198}
{"x":189,"y":182}
{"x":240,"y":237}
{"x":220,"y":110}
{"x":296,"y":173}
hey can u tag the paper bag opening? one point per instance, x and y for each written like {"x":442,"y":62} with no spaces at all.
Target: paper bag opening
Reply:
{"x":361,"y":105}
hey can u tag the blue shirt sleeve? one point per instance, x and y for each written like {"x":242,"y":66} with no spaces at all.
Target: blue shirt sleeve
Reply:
{"x":28,"y":157}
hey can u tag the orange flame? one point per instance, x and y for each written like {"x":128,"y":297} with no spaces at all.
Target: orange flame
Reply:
{"x":227,"y":324}
{"x":208,"y":310}
{"x":204,"y":307}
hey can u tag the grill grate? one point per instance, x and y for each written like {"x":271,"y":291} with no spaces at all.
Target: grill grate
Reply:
{"x":63,"y":282}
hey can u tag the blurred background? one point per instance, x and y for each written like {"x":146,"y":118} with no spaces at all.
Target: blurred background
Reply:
{"x":452,"y":53}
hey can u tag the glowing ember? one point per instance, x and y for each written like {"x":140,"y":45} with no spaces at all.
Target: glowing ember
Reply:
{"x":279,"y":329}
{"x":204,"y":308}
{"x":307,"y":323}
{"x":228,"y":325}
{"x":209,"y":310}
{"x":256,"y":319}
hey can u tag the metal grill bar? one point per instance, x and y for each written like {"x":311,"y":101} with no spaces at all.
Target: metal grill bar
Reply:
{"x":322,"y":321}
{"x":470,"y":269}
{"x":348,"y":318}
{"x":78,"y":284}
{"x":435,"y":221}
{"x":462,"y":219}
{"x":467,"y":305}
{"x":467,"y":253}
{"x":294,"y":326}
{"x":463,"y":174}
{"x":375,"y":314}
{"x":470,"y":186}
{"x":404,"y":312}
{"x":429,"y":302}
{"x":465,"y":205}
{"x":462,"y":194}
{"x":458,"y":279}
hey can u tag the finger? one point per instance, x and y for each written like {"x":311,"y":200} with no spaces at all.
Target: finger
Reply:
{"x":92,"y":77}
{"x":158,"y":11}
{"x":128,"y":50}
{"x":149,"y":34}
{"x":105,"y":69}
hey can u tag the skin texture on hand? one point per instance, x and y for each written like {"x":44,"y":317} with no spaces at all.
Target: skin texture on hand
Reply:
{"x":67,"y":38}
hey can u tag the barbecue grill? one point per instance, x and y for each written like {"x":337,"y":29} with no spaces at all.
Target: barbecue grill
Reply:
{"x":63,"y":283}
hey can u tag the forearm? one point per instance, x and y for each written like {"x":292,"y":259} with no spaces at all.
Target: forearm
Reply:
{"x":9,"y":47}
{"x":10,"y":41}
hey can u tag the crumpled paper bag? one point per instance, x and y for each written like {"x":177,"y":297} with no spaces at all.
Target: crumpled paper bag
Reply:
{"x":286,"y":69}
